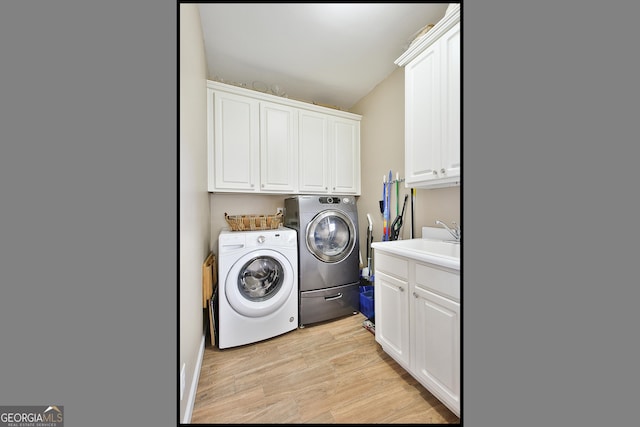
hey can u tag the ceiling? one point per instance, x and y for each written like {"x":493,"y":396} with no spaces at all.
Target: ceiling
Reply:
{"x":331,"y":54}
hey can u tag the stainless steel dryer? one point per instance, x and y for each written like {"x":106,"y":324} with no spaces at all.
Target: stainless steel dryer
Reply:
{"x":328,"y":261}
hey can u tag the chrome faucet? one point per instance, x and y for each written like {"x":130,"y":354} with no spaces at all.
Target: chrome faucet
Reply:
{"x":456,"y":232}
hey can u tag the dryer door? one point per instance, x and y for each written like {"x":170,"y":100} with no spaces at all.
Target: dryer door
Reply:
{"x":331,"y":236}
{"x":259,"y":283}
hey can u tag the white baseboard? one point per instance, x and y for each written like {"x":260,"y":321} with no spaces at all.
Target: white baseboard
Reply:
{"x":194,"y":384}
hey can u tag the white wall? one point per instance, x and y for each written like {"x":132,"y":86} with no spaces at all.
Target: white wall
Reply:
{"x":194,"y":199}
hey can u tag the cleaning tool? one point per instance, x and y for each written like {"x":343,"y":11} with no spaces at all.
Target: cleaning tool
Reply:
{"x":384,"y":180}
{"x":366,"y":272}
{"x":397,"y":223}
{"x":413,"y":200}
{"x":397,"y":192}
{"x":385,"y":209}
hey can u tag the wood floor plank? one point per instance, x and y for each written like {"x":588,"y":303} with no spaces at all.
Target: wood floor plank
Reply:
{"x":324,"y":418}
{"x":230,"y":409}
{"x":327,"y":373}
{"x":371,"y":408}
{"x":272,"y":372}
{"x":338,"y":393}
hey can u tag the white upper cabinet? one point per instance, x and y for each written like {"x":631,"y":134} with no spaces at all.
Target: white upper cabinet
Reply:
{"x":329,"y":154}
{"x":233,"y":142}
{"x":344,"y":156}
{"x":450,"y":80}
{"x":432,"y":106}
{"x":259,"y":143}
{"x":278,"y":148}
{"x":313,"y":151}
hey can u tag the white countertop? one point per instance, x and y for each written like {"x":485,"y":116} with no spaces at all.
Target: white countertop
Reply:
{"x":433,"y":251}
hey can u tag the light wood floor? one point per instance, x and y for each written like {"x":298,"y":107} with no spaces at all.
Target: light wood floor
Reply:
{"x":331,"y":372}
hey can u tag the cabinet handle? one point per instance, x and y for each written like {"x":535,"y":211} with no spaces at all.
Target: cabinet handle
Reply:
{"x":333,"y":297}
{"x":415,"y":295}
{"x":443,"y":171}
{"x":401,"y":288}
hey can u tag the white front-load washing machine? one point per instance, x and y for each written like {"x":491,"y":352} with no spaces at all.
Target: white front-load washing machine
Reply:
{"x":257,"y":286}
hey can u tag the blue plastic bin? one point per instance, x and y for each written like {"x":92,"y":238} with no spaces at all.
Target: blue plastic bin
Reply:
{"x":366,"y":302}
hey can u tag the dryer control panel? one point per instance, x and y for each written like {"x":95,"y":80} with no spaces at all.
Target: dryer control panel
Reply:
{"x":335,"y":200}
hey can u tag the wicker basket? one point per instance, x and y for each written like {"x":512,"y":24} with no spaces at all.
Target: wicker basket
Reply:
{"x":253,"y":222}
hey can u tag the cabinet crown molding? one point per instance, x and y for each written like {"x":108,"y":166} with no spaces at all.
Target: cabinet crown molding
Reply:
{"x":444,"y":25}
{"x":212,"y":84}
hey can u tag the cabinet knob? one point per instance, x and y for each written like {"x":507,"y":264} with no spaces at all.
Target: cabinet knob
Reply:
{"x":401,"y":288}
{"x":435,"y":172}
{"x":415,"y":295}
{"x":442,"y":171}
{"x":262,"y":185}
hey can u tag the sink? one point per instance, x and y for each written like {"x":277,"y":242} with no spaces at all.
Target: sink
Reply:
{"x":442,"y":252}
{"x":439,"y":247}
{"x":455,"y":242}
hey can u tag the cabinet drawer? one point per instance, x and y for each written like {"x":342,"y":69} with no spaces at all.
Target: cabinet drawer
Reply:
{"x":440,"y":281}
{"x":395,"y":266}
{"x":327,"y":304}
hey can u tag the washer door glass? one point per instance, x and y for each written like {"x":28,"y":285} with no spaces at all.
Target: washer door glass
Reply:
{"x":260,"y":278}
{"x":259,"y":283}
{"x":331,"y":236}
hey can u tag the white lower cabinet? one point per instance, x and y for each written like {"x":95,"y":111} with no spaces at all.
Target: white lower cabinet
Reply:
{"x":435,"y":341}
{"x":417,"y":322}
{"x":392,"y":305}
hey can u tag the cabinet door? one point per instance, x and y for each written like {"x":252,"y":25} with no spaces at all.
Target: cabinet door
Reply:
{"x":278,"y":148}
{"x":235,"y":142}
{"x":313,"y":150}
{"x":344,"y":156}
{"x":436,"y":345}
{"x":450,"y":51}
{"x":392,"y":317}
{"x":423,"y":132}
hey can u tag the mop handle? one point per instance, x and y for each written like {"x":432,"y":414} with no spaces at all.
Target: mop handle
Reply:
{"x":397,"y":192}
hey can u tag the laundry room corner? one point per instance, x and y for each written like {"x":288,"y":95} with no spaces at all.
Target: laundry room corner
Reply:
{"x":382,"y":131}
